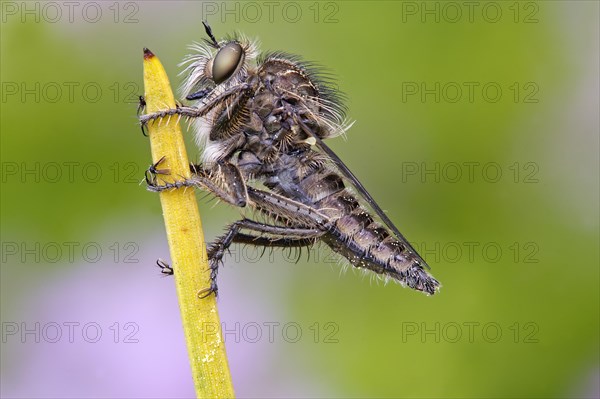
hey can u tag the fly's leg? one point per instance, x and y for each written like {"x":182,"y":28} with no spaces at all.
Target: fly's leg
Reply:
{"x":273,"y":242}
{"x":279,"y":236}
{"x":276,"y":205}
{"x":241,"y":238}
{"x":224,"y":180}
{"x":193,"y":112}
{"x":189,"y":112}
{"x":151,"y":177}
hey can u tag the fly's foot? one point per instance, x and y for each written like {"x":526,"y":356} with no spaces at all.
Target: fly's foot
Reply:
{"x":204,"y":293}
{"x":144,"y":119}
{"x":214,"y":261}
{"x":141,"y":108}
{"x":156,"y":187}
{"x":154,"y":168}
{"x":141,"y":105}
{"x":151,"y":177}
{"x":165,"y":268}
{"x":153,"y":171}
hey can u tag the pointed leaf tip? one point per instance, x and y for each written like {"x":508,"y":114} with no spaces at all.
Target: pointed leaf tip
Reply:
{"x":148,"y":53}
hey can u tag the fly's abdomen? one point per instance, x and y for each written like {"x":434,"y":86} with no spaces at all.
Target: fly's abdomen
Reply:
{"x":367,"y":244}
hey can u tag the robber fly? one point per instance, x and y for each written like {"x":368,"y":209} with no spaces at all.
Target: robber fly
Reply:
{"x":262,"y":119}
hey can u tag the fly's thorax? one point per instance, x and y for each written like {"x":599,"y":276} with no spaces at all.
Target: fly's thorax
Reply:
{"x":287,"y":79}
{"x":285,"y":94}
{"x":271,"y":128}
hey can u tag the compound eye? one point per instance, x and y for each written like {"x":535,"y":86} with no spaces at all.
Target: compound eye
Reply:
{"x":226,"y":62}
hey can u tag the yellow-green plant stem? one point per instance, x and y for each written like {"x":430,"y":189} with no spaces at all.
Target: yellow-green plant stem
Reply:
{"x":200,"y":318}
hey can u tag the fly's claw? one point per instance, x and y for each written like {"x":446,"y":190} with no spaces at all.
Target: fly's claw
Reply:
{"x":204,"y":293}
{"x":151,"y":177}
{"x":152,"y":171}
{"x":141,"y":108}
{"x":165,"y":268}
{"x":141,"y":105}
{"x":154,"y":168}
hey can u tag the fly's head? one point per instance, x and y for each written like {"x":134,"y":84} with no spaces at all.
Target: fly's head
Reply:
{"x":214,"y":66}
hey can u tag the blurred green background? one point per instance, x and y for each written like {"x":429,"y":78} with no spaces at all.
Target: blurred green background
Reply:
{"x":476,"y":129}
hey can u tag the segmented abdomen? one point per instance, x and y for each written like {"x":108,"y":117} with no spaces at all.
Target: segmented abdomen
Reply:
{"x":355,"y":235}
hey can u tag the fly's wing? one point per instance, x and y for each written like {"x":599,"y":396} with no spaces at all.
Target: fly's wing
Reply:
{"x":361,"y":190}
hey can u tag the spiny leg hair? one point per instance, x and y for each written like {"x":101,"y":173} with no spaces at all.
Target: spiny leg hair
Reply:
{"x":213,"y":181}
{"x":193,"y":112}
{"x":280,"y":236}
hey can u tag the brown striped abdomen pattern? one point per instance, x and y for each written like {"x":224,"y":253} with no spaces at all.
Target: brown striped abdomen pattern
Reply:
{"x":366,"y":243}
